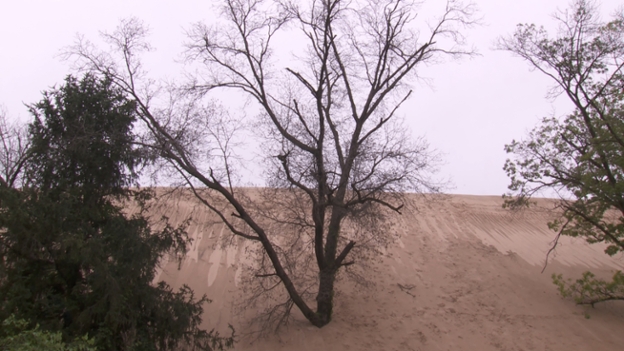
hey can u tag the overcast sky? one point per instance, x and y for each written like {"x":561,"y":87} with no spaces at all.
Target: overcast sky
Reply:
{"x":469,"y":112}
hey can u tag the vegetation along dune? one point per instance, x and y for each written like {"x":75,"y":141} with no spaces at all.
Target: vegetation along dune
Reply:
{"x":268,"y":200}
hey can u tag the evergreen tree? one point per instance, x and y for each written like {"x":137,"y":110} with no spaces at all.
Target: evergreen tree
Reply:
{"x":72,"y":259}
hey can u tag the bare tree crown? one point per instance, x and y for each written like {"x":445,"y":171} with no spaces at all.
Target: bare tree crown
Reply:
{"x":13,"y":151}
{"x":336,"y":152}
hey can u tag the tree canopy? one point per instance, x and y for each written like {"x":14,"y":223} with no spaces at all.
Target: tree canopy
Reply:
{"x":580,"y":157}
{"x":73,"y":261}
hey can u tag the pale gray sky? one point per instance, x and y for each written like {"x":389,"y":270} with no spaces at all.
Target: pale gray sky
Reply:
{"x":469,"y":112}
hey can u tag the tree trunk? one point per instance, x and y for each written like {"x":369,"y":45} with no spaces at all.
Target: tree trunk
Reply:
{"x":325,"y":297}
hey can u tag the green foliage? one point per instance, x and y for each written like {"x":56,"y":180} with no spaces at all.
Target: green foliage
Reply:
{"x":580,"y":157}
{"x":586,"y":170}
{"x":589,"y":290}
{"x":82,"y":139}
{"x":72,"y":260}
{"x":17,"y":336}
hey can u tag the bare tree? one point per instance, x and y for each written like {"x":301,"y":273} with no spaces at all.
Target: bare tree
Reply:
{"x":338,"y":158}
{"x":13,"y":151}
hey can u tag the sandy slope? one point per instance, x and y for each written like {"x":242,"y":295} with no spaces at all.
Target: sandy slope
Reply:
{"x":464,"y":275}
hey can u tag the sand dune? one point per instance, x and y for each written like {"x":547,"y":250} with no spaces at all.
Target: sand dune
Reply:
{"x":464,"y":274}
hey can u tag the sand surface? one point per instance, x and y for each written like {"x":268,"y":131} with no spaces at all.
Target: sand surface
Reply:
{"x":464,"y":274}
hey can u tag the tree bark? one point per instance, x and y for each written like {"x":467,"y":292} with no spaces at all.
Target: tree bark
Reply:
{"x":325,"y":297}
